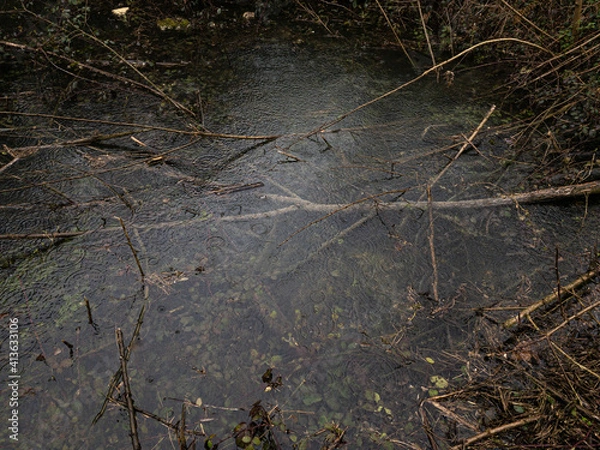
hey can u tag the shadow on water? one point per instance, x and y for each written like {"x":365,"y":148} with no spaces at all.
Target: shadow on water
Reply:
{"x":342,"y":310}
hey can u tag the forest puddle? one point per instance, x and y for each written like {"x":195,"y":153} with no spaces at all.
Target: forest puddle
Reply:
{"x":303,"y":255}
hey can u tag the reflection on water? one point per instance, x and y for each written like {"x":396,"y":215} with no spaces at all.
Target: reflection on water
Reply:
{"x":341,"y":309}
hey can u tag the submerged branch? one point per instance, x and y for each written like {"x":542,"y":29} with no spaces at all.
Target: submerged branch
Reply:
{"x":143,"y":127}
{"x":18,"y":236}
{"x":539,"y":196}
{"x":135,"y":440}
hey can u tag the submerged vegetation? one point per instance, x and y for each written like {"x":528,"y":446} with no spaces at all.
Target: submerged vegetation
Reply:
{"x":530,"y":383}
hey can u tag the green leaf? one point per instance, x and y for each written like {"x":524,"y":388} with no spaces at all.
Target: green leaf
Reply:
{"x":439,"y":382}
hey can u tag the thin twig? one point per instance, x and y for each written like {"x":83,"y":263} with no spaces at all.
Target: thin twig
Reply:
{"x":114,"y":381}
{"x":181,"y":429}
{"x":434,"y":283}
{"x":525,"y":19}
{"x":89,"y":310}
{"x":144,"y":127}
{"x":571,"y":287}
{"x":135,"y":256}
{"x":135,"y":440}
{"x":389,"y":22}
{"x":321,"y":128}
{"x":465,"y":145}
{"x":424,"y":26}
{"x":570,"y":358}
{"x":574,"y":316}
{"x":493,"y":431}
{"x":63,"y":235}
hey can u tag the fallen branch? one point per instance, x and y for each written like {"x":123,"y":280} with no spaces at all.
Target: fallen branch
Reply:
{"x":493,"y":431}
{"x":565,"y":291}
{"x":539,"y":196}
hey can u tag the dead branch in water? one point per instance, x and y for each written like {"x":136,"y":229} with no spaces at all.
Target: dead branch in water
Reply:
{"x":17,"y":236}
{"x":142,"y":127}
{"x":114,"y":381}
{"x":135,"y":256}
{"x":135,"y":440}
{"x":434,"y":265}
{"x":565,"y":291}
{"x":539,"y":196}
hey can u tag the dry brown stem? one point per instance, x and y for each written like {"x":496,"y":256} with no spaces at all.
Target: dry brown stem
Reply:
{"x":425,"y":32}
{"x":389,"y":22}
{"x":554,"y":296}
{"x":493,"y":431}
{"x":526,"y":20}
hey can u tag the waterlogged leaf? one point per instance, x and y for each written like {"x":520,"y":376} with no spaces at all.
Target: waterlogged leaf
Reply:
{"x":247,"y":439}
{"x":430,"y":360}
{"x":519,"y":409}
{"x":439,"y":382}
{"x":267,"y":377}
{"x":256,"y":440}
{"x":311,"y":399}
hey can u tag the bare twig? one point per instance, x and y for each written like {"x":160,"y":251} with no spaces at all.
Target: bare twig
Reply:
{"x":493,"y":431}
{"x":567,"y":290}
{"x":570,"y":358}
{"x":341,"y":208}
{"x":321,"y":128}
{"x":434,"y":283}
{"x":16,"y":236}
{"x":135,"y":440}
{"x":525,"y":19}
{"x":424,"y":26}
{"x":573,"y":317}
{"x":387,"y":19}
{"x":181,"y":431}
{"x":117,"y":375}
{"x":135,"y":256}
{"x":465,"y":145}
{"x":142,"y":127}
{"x":89,"y":310}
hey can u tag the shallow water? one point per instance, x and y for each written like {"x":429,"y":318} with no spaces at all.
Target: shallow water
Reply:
{"x":337,"y":300}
